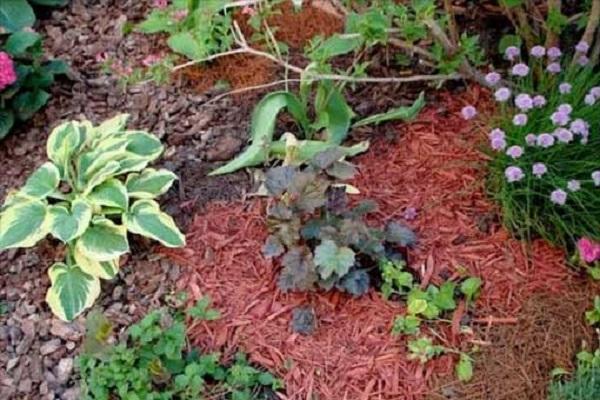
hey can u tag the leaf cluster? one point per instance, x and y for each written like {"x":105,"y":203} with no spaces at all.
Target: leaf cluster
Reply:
{"x":153,"y":363}
{"x":16,"y":15}
{"x":21,"y":100}
{"x":95,"y":189}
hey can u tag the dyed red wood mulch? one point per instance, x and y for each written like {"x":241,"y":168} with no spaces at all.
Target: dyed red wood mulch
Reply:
{"x":435,"y":166}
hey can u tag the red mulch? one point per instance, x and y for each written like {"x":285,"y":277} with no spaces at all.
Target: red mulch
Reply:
{"x":435,"y":166}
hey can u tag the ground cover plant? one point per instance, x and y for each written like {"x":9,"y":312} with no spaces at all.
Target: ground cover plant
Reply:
{"x":16,"y":15}
{"x":78,"y":198}
{"x":154,"y":362}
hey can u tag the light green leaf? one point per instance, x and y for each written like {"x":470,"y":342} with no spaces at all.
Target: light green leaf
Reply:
{"x":333,"y":113}
{"x":72,"y":291}
{"x":186,"y":44}
{"x":103,"y":240}
{"x":42,"y":182}
{"x":336,"y":45}
{"x":417,"y":306}
{"x":333,"y":259}
{"x":110,"y":193}
{"x":66,"y":224}
{"x":150,"y":183}
{"x":143,"y":144}
{"x":146,"y":219}
{"x":403,"y":113}
{"x":23,"y":224}
{"x":99,"y":269}
{"x":15,"y":15}
{"x":470,"y":288}
{"x":464,"y":368}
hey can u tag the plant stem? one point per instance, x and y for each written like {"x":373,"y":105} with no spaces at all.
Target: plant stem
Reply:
{"x":551,"y":37}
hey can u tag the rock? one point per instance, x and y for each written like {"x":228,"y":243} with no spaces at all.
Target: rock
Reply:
{"x":67,"y":331}
{"x":50,"y":347}
{"x":71,"y":394}
{"x":25,"y":385}
{"x":12,"y":363}
{"x":64,"y":370}
{"x":224,"y":149}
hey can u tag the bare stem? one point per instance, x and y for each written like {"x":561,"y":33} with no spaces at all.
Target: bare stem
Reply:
{"x":551,"y":37}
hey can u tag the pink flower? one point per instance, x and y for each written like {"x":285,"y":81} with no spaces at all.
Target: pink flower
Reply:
{"x":248,"y":11}
{"x":514,"y":151}
{"x":151,"y":60}
{"x":588,"y":250}
{"x":558,"y":197}
{"x":582,"y":47}
{"x":493,"y":78}
{"x":502,"y":94}
{"x":180,"y":15}
{"x":538,"y":51}
{"x":539,"y":169}
{"x":520,"y":70}
{"x":514,"y":174}
{"x":554,"y":53}
{"x":410,"y":213}
{"x":574,"y":185}
{"x":512,"y":52}
{"x":162,"y":4}
{"x":553,"y":68}
{"x":469,"y":112}
{"x":8,"y":76}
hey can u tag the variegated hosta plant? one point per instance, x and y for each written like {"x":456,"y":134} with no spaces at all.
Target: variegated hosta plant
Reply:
{"x":95,"y":188}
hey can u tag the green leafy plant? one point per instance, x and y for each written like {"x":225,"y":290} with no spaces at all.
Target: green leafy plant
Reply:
{"x":28,"y":94}
{"x":320,"y":239}
{"x":584,"y":383}
{"x":153,"y":362}
{"x":423,"y":349}
{"x":202,"y":311}
{"x":78,"y":198}
{"x":593,"y":316}
{"x":18,"y":14}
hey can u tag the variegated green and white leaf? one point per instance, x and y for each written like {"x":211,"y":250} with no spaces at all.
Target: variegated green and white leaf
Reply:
{"x":14,"y":197}
{"x":106,"y":172}
{"x":103,"y":240}
{"x":144,"y":145}
{"x":71,"y":292}
{"x":99,"y":269}
{"x":132,"y":163}
{"x":89,"y":163}
{"x":66,"y":224}
{"x":150,"y":183}
{"x":63,"y":142}
{"x":146,"y":219}
{"x":110,"y":193}
{"x":23,"y":224}
{"x":42,"y":182}
{"x":111,"y":126}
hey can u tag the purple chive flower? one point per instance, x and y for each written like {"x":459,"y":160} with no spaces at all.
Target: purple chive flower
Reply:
{"x":563,"y":135}
{"x":583,"y":61}
{"x":514,"y":151}
{"x":580,"y":127}
{"x":545,"y":140}
{"x":553,"y":68}
{"x":530,"y":139}
{"x":410,"y":213}
{"x":565,"y":108}
{"x":538,"y":51}
{"x":558,"y":197}
{"x":513,"y":174}
{"x":469,"y":112}
{"x":539,"y":101}
{"x":595,"y":91}
{"x":520,"y":70}
{"x":574,"y":185}
{"x":539,"y":169}
{"x":596,"y":178}
{"x":498,"y":144}
{"x":554,"y":53}
{"x":590,"y":99}
{"x":560,"y":118}
{"x":502,"y":94}
{"x":497,"y":134}
{"x":493,"y":78}
{"x":512,"y":52}
{"x":565,"y":88}
{"x":520,"y":120}
{"x":524,"y":102}
{"x":584,"y":138}
{"x":582,"y":47}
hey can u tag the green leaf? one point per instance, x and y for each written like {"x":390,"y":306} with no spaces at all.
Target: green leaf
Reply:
{"x":507,"y":41}
{"x":66,"y":224}
{"x":333,"y":259}
{"x":464,"y":368}
{"x":106,"y":172}
{"x":7,"y":120}
{"x":334,"y":46}
{"x":150,"y":183}
{"x":444,"y":298}
{"x":15,"y":15}
{"x":186,"y":44}
{"x":157,"y":21}
{"x":103,"y":240}
{"x":71,"y":291}
{"x":26,"y":104}
{"x":23,"y":224}
{"x":42,"y":182}
{"x":299,"y":272}
{"x":512,"y":3}
{"x":111,"y":126}
{"x":403,"y":113}
{"x":146,"y":219}
{"x":334,"y":114}
{"x":64,"y":140}
{"x":50,"y":3}
{"x":18,"y":43}
{"x":470,"y":288}
{"x":202,"y":311}
{"x":98,"y":269}
{"x":110,"y":193}
{"x":56,"y":67}
{"x":143,"y":144}
{"x":416,"y":306}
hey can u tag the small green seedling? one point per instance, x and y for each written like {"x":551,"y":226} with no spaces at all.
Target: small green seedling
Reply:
{"x":202,"y":310}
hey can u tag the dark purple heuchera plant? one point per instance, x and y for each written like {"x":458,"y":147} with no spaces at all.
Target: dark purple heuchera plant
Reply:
{"x":322,"y":240}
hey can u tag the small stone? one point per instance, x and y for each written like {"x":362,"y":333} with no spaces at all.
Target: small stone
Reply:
{"x":71,"y":394}
{"x":44,"y":388}
{"x":25,"y":385}
{"x":64,"y":369}
{"x":67,"y":331}
{"x":70,"y":346}
{"x":50,"y":347}
{"x":12,"y":363}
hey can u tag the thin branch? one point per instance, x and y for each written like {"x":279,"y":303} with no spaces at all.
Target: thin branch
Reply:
{"x":551,"y":37}
{"x":452,"y":28}
{"x":592,"y":25}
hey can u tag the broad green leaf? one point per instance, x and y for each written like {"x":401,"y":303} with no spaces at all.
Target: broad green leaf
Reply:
{"x":98,"y":269}
{"x":27,"y":103}
{"x":7,"y":121}
{"x":336,"y":45}
{"x":66,"y":224}
{"x":150,"y":183}
{"x":50,"y":3}
{"x":43,"y":181}
{"x":464,"y":368}
{"x":110,"y":193}
{"x":157,"y":21}
{"x":111,"y":126}
{"x":143,"y":144}
{"x":56,"y":67}
{"x":72,"y":291}
{"x":308,"y":149}
{"x":19,"y":42}
{"x":146,"y":219}
{"x":186,"y":44}
{"x":333,"y":113}
{"x":333,"y":259}
{"x":403,"y":113}
{"x":23,"y":224}
{"x":470,"y":288}
{"x":109,"y":170}
{"x":417,"y":306}
{"x":63,"y":142}
{"x":103,"y":240}
{"x":15,"y":15}
{"x":255,"y":154}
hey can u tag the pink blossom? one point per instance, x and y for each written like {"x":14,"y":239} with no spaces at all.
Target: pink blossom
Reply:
{"x":588,"y":250}
{"x":520,"y":70}
{"x":498,"y":143}
{"x":180,"y":15}
{"x":514,"y":174}
{"x":590,"y":99}
{"x":493,"y":78}
{"x":248,"y":10}
{"x":469,"y":112}
{"x":582,"y":47}
{"x":563,"y":135}
{"x":520,"y":120}
{"x":530,"y":139}
{"x":514,"y":152}
{"x":497,"y":134}
{"x":502,"y":94}
{"x":539,"y":101}
{"x":545,"y":140}
{"x":524,"y":102}
{"x":151,"y":60}
{"x":554,"y":68}
{"x":583,"y":61}
{"x":554,"y":53}
{"x":512,"y":52}
{"x":574,"y":185}
{"x":162,"y":4}
{"x":538,"y":51}
{"x":565,"y":88}
{"x":410,"y":213}
{"x":558,"y":197}
{"x":539,"y":169}
{"x":596,"y":178}
{"x":8,"y":76}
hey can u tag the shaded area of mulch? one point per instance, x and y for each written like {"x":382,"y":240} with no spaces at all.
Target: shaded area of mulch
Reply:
{"x":434,"y":164}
